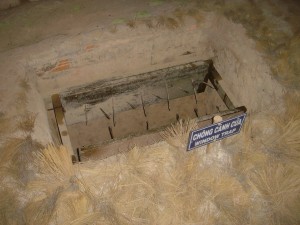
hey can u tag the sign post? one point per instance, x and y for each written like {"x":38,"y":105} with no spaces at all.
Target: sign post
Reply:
{"x":216,"y":132}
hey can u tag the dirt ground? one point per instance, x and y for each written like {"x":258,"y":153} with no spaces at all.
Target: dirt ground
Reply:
{"x":47,"y":47}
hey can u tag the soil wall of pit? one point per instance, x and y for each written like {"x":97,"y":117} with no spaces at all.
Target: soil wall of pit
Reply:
{"x":56,"y":65}
{"x":97,"y":55}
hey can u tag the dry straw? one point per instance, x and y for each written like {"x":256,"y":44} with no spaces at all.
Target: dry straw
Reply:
{"x":246,"y":152}
{"x":286,"y":143}
{"x":279,"y":186}
{"x":42,"y":211}
{"x":163,"y":184}
{"x":76,"y":206}
{"x":16,"y":156}
{"x":177,"y":134}
{"x":74,"y":203}
{"x":156,"y":187}
{"x":68,"y":197}
{"x":54,"y":162}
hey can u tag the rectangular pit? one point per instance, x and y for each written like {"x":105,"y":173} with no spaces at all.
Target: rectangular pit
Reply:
{"x":130,"y":110}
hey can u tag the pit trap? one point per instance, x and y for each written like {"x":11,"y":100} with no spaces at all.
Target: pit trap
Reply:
{"x":113,"y":115}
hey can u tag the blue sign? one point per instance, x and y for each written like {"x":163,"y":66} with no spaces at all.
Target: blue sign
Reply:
{"x":216,"y":132}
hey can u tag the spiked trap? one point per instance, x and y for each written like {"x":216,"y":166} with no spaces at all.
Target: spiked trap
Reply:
{"x":111,"y":116}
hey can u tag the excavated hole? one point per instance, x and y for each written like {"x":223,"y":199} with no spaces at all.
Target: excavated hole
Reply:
{"x":124,"y":112}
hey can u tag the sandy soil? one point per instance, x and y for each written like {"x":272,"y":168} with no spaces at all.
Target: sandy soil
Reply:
{"x":49,"y":46}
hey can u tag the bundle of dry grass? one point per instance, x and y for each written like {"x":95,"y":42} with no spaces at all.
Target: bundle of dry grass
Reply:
{"x":269,"y":163}
{"x":228,"y":195}
{"x":155,"y":186}
{"x":54,"y":161}
{"x":54,"y":167}
{"x":279,"y":186}
{"x":246,"y":149}
{"x":162,"y":184}
{"x":285,"y":143}
{"x":42,"y":211}
{"x":177,"y":134}
{"x":16,"y":156}
{"x":65,"y":197}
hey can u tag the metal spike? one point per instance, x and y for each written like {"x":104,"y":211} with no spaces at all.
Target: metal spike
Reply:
{"x":157,"y":96}
{"x":196,"y":112}
{"x":113,"y":111}
{"x":143,"y":105}
{"x":105,"y":114}
{"x":110,"y":132}
{"x":168,"y":96}
{"x":185,"y":91}
{"x":131,"y":105}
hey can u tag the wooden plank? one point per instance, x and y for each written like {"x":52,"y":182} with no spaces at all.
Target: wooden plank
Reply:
{"x":214,"y":77}
{"x":61,"y":123}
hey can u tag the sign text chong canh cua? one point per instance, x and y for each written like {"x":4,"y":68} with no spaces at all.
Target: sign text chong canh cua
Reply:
{"x":216,"y":132}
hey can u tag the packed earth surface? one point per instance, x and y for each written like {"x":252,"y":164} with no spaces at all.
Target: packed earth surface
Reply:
{"x":48,"y":47}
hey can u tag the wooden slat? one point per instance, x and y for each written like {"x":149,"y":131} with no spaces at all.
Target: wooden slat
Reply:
{"x":61,"y":123}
